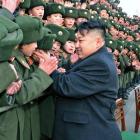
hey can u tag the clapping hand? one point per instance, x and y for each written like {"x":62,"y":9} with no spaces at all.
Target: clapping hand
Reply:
{"x":47,"y":63}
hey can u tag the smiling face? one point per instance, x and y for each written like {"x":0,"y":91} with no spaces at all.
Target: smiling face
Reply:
{"x":88,"y":42}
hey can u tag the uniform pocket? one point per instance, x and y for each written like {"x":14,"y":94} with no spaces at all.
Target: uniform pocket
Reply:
{"x":76,"y":117}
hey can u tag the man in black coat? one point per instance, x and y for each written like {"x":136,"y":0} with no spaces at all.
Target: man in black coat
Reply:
{"x":87,"y":92}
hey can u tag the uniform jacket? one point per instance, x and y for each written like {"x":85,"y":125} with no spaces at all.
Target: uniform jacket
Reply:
{"x":7,"y":76}
{"x":22,"y":122}
{"x":86,"y":100}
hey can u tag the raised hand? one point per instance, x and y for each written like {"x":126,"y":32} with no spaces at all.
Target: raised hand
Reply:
{"x":47,"y":63}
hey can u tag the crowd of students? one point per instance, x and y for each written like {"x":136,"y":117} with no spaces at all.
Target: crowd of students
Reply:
{"x":38,"y":37}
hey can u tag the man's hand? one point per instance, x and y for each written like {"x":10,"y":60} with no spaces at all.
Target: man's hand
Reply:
{"x":118,"y":71}
{"x":47,"y":63}
{"x":14,"y":87}
{"x":61,"y":70}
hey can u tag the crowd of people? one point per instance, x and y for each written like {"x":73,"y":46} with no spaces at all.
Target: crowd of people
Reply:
{"x":63,"y":64}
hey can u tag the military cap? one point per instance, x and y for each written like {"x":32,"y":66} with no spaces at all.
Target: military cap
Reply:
{"x":136,"y":48}
{"x":103,"y":7}
{"x":83,"y":13}
{"x":47,"y":41}
{"x":94,"y":16}
{"x":95,"y":7}
{"x":110,"y":43}
{"x":25,"y":4}
{"x":10,"y":36}
{"x":132,"y":34}
{"x":113,"y":23}
{"x":108,"y":25}
{"x":109,"y":12}
{"x":126,"y":30}
{"x":35,"y":3}
{"x":71,"y":12}
{"x":117,"y":15}
{"x":117,"y":1}
{"x":54,"y":8}
{"x":62,"y":34}
{"x":122,"y":28}
{"x":120,"y":45}
{"x":120,"y":9}
{"x":32,"y":29}
{"x":107,"y":35}
{"x":130,"y":45}
{"x":74,"y":1}
{"x":72,"y":36}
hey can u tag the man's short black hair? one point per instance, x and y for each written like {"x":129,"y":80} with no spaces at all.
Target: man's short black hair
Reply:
{"x":91,"y":25}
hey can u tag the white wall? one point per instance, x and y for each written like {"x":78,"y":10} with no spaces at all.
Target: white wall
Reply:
{"x":132,"y":7}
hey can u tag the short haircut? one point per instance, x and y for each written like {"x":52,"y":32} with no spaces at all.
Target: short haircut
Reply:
{"x":90,"y":25}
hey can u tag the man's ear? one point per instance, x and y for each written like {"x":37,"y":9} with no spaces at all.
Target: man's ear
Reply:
{"x":99,"y":42}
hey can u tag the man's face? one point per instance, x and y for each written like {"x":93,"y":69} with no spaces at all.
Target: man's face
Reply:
{"x":37,"y":11}
{"x":87,"y":43}
{"x":28,"y":49}
{"x":69,"y":47}
{"x":55,"y":19}
{"x":69,"y":22}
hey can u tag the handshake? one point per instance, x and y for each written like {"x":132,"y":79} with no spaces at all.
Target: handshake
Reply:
{"x":46,"y":62}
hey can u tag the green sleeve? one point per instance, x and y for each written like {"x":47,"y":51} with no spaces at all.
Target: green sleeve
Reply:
{"x":33,"y":87}
{"x":7,"y":76}
{"x":6,"y":13}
